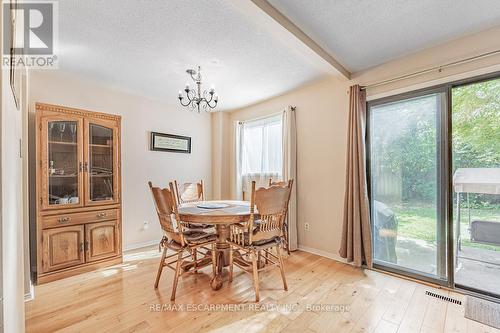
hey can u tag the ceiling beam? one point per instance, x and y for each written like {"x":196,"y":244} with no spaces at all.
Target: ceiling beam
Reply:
{"x":276,"y":15}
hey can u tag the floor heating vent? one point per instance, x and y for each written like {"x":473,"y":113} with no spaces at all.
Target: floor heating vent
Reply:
{"x":444,"y":298}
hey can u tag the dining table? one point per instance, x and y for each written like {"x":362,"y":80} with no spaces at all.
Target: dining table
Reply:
{"x":221,"y":214}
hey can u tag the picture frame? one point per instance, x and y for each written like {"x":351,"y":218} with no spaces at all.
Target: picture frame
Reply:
{"x":170,"y":143}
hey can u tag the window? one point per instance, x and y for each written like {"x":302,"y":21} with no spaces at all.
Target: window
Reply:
{"x":262,"y":143}
{"x":260,"y":151}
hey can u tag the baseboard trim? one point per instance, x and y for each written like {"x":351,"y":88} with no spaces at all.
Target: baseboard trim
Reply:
{"x":30,"y":295}
{"x":135,"y":246}
{"x":322,"y":253}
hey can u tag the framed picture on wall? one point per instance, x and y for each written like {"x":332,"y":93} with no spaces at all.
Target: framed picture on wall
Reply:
{"x":170,"y":142}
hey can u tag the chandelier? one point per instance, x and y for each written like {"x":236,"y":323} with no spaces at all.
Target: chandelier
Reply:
{"x":195,"y":98}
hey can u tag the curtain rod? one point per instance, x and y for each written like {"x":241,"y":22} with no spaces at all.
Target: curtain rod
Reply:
{"x":272,"y":115}
{"x":432,"y":69}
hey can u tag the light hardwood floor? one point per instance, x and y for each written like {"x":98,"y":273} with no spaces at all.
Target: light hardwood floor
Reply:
{"x":122,"y":299}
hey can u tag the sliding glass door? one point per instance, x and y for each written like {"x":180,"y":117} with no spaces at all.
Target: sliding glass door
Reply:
{"x":405,"y":151}
{"x":475,"y":116}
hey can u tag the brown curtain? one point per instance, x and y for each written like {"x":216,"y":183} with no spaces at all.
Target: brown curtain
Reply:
{"x":356,"y":244}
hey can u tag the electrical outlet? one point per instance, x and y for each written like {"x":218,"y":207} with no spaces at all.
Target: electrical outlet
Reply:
{"x":307,"y":227}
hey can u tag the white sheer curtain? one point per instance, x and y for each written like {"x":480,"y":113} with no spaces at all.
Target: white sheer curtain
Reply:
{"x":259,"y":152}
{"x":267,"y":148}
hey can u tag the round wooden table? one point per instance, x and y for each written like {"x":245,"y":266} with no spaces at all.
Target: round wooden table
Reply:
{"x":221,"y":219}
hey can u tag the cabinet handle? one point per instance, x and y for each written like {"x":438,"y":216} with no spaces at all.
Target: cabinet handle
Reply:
{"x":81,"y":247}
{"x":101,"y":214}
{"x":63,"y":219}
{"x":81,"y":167}
{"x":86,"y":245}
{"x":85,"y":166}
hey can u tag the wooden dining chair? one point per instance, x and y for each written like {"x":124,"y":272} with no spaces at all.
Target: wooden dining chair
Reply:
{"x":261,"y":233}
{"x":286,"y":244}
{"x":180,"y":239}
{"x":189,"y":192}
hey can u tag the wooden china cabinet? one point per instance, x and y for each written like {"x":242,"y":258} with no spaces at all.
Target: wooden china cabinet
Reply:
{"x":78,"y":191}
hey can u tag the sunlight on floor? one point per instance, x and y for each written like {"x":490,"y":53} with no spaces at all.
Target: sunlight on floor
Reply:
{"x":116,"y":269}
{"x":127,"y":264}
{"x":109,"y":272}
{"x":146,"y":254}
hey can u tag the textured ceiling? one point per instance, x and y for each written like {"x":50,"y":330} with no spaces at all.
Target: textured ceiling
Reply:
{"x":364,"y":33}
{"x":145,"y":47}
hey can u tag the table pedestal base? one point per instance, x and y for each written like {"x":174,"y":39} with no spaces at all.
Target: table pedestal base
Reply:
{"x":222,"y":219}
{"x":222,"y":248}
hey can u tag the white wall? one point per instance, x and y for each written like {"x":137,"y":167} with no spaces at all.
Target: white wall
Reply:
{"x":11,"y":212}
{"x":139,"y":164}
{"x":455,"y":50}
{"x":220,"y":156}
{"x":321,"y":139}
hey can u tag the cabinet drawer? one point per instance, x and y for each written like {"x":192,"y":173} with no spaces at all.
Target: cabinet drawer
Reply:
{"x":79,"y":218}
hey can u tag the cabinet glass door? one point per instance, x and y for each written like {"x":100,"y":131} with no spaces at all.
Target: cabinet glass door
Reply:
{"x":61,"y":162}
{"x":102,"y":155}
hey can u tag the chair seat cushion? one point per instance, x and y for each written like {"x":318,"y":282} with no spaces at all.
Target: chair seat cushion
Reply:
{"x":256,"y":225}
{"x":173,"y":245}
{"x":199,"y":236}
{"x":260,"y":242}
{"x":271,"y":240}
{"x":198,"y":226}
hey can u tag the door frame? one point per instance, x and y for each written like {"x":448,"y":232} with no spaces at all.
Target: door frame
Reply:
{"x":445,"y":175}
{"x":442,"y":129}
